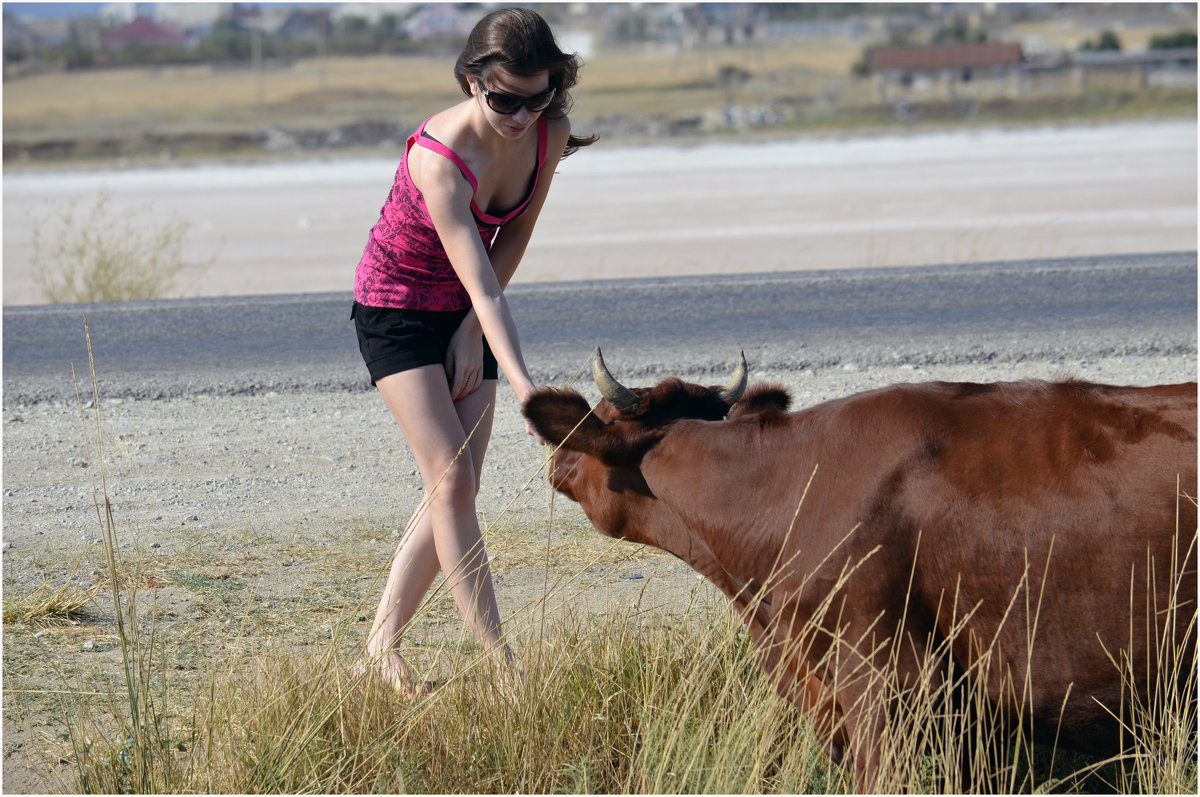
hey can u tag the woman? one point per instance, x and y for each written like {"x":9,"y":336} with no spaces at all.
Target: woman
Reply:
{"x":430,"y":308}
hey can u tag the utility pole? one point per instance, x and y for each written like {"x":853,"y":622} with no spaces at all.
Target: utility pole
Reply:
{"x":323,"y":50}
{"x":256,"y":63}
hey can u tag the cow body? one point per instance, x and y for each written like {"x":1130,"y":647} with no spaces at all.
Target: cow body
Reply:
{"x":901,"y":528}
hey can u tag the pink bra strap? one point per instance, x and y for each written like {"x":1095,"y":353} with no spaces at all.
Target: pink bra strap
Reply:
{"x":429,"y":142}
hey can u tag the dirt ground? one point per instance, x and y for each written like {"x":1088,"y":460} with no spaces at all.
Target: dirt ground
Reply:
{"x":732,"y":207}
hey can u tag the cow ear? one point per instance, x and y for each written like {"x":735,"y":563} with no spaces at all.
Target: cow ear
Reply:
{"x":764,"y":398}
{"x":555,"y":413}
{"x":563,"y":417}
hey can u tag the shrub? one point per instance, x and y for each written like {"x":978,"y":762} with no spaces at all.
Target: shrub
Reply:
{"x":1179,"y":40}
{"x":104,"y":256}
{"x":1108,"y":42}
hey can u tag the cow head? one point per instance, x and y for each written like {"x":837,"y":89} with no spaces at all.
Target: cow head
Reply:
{"x":620,"y":459}
{"x":600,"y":449}
{"x":605,"y":444}
{"x":626,"y":423}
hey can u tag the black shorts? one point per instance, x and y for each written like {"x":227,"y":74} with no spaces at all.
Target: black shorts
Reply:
{"x":393,"y":340}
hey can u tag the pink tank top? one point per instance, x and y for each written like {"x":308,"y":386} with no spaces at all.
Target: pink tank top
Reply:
{"x":404,"y":264}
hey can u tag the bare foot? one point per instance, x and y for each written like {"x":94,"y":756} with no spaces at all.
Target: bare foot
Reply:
{"x":392,"y":670}
{"x":508,"y":676}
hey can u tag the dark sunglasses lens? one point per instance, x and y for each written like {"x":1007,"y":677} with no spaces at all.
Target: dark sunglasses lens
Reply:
{"x":540,"y":102}
{"x":510,"y":104}
{"x":505,"y":103}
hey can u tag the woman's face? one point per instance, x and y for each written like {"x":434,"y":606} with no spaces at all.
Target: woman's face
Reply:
{"x":506,"y":100}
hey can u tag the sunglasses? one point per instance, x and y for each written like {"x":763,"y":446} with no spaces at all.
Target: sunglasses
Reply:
{"x":508,"y":104}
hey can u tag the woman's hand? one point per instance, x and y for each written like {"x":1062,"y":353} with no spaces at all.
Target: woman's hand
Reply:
{"x":464,"y":361}
{"x":524,"y":389}
{"x":529,"y":430}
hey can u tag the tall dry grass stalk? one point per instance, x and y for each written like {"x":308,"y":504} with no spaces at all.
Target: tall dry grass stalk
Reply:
{"x":1160,"y":720}
{"x":128,"y":757}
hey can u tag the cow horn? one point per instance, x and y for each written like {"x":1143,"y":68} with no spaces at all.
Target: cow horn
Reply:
{"x":618,"y":395}
{"x":732,"y":392}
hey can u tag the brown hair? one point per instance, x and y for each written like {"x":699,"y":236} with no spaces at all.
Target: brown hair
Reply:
{"x":521,"y":42}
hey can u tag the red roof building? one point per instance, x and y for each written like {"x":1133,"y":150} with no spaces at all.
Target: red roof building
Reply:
{"x":144,"y":33}
{"x":948,"y":70}
{"x":938,"y":57}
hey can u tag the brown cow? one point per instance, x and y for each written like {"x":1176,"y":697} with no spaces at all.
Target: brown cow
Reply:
{"x":909,"y":528}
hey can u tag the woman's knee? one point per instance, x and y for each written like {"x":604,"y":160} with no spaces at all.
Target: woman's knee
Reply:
{"x":455,"y":484}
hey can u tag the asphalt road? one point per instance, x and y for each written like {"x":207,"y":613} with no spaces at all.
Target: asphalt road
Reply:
{"x":649,"y":328}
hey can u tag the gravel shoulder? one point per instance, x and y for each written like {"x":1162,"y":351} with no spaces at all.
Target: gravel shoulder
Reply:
{"x":307,"y":463}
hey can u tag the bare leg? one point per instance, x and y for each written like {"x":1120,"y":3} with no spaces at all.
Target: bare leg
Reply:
{"x":444,"y":533}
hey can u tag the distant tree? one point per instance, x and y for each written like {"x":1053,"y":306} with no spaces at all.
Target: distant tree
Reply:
{"x":226,"y":42}
{"x":387,"y":34}
{"x":1179,"y":40}
{"x":80,"y":57}
{"x":1108,"y":42}
{"x":959,"y":33}
{"x":632,"y":28}
{"x":862,"y":67}
{"x":353,"y":27}
{"x":388,"y":25}
{"x":354,"y":35}
{"x":16,"y":52}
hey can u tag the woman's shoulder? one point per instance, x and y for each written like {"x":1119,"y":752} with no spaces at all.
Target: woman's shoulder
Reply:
{"x":558,"y":132}
{"x":445,"y":135}
{"x":448,"y":127}
{"x":559,"y":128}
{"x":433,"y":174}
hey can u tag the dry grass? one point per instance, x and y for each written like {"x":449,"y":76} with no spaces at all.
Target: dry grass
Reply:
{"x":619,"y":706}
{"x":619,"y":702}
{"x":49,"y":605}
